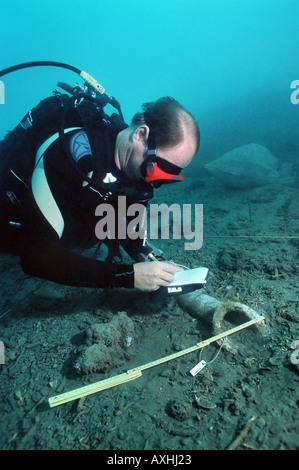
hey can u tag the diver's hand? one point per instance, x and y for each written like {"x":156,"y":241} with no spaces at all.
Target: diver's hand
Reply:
{"x":150,"y":276}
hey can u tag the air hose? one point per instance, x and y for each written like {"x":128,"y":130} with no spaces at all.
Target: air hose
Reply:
{"x":85,"y":76}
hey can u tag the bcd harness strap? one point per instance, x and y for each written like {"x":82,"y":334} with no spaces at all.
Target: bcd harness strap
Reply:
{"x":41,"y":190}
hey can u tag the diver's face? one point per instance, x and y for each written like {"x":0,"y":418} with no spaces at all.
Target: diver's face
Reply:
{"x":131,"y":149}
{"x":131,"y":146}
{"x":132,"y":169}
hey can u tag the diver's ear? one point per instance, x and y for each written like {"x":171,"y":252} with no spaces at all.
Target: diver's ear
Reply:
{"x":141,"y":133}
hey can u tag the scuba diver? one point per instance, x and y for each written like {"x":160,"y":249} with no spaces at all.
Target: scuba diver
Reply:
{"x":64,"y":159}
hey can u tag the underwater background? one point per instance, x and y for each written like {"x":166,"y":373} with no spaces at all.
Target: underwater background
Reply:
{"x":232,"y":63}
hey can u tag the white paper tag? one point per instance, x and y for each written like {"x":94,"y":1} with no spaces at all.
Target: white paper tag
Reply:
{"x":198,"y":368}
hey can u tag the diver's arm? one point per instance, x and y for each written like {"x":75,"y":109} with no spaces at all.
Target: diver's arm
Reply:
{"x":56,"y":264}
{"x":43,"y":255}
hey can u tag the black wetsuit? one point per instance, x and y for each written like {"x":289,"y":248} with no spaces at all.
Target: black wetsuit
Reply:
{"x":49,"y":217}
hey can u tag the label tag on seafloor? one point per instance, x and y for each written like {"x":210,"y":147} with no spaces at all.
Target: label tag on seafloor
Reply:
{"x":198,"y":368}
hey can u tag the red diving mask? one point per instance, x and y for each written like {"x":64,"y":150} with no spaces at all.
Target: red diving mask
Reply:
{"x":156,"y":170}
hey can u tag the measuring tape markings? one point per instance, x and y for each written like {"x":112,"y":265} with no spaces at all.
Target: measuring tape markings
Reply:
{"x":93,"y":388}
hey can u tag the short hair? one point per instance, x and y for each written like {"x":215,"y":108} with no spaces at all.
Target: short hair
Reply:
{"x":169,"y":120}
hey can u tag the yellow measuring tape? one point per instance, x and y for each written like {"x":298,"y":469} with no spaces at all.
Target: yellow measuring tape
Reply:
{"x":137,"y":371}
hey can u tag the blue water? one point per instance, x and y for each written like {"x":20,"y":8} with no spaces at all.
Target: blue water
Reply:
{"x":231,"y":62}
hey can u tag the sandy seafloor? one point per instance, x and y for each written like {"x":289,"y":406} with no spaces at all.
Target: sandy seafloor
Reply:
{"x":252,"y":396}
